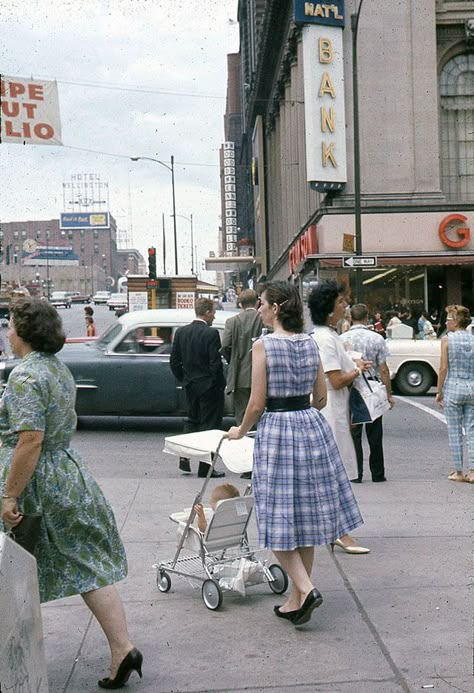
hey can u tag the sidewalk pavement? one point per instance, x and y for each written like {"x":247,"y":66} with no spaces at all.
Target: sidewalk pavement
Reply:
{"x":398,"y":619}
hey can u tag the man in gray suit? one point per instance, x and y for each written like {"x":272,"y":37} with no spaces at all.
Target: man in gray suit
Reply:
{"x":239,"y":334}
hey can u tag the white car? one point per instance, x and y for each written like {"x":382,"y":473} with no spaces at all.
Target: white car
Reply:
{"x":60,"y":298}
{"x":414,"y":364}
{"x":117,"y":301}
{"x":101,"y":297}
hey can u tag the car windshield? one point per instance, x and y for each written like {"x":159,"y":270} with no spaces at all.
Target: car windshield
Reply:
{"x":108,"y":336}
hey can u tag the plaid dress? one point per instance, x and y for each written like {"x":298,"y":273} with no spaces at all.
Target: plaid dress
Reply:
{"x":302,"y":494}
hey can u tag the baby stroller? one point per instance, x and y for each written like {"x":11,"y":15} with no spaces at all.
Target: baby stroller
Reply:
{"x":221,"y":558}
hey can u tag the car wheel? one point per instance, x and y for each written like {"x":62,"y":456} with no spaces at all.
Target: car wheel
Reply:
{"x":414,"y":379}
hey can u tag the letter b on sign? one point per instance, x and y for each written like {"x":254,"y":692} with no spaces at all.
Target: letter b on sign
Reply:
{"x":326,"y":54}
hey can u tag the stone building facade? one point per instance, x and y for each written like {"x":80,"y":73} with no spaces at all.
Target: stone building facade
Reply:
{"x":416,"y":140}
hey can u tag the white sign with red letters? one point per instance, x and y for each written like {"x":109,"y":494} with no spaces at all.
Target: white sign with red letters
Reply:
{"x":29,"y":111}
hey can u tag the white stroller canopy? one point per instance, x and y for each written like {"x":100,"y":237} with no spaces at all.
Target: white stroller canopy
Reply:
{"x":237,"y":455}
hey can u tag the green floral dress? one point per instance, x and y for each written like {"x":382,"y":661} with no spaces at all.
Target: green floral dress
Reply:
{"x":79,"y":549}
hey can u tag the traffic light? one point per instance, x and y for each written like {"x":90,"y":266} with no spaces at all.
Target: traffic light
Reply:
{"x":152,"y":263}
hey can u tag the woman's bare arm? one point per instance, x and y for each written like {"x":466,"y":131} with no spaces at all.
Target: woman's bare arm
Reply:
{"x":320,"y":393}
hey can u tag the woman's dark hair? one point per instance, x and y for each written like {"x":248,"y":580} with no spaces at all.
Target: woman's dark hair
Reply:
{"x":287,"y":298}
{"x":38,"y":324}
{"x":322,"y":300}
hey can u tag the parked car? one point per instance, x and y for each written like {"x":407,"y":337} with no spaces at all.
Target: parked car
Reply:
{"x":60,"y":298}
{"x":101,"y":297}
{"x":414,"y":364}
{"x":77,"y":297}
{"x":117,"y":301}
{"x":126,"y":371}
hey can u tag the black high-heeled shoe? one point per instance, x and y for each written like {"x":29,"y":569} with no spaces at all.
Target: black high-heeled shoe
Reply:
{"x":303,"y":614}
{"x":132,"y":662}
{"x":284,"y":614}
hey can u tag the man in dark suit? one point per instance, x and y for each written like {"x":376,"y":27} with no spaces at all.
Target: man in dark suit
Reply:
{"x":196,"y":362}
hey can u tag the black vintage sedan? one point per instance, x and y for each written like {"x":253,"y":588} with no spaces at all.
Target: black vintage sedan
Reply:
{"x":126,"y":371}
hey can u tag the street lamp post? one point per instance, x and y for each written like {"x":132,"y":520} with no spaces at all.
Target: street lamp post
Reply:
{"x":190,"y":219}
{"x":170,"y":168}
{"x":355,"y":110}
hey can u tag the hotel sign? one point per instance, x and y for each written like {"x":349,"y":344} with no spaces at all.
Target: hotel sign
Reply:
{"x":325,"y":126}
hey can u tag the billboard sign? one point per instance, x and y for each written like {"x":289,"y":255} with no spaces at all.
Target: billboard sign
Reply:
{"x":84,"y":220}
{"x":30,"y":111}
{"x":52,"y":255}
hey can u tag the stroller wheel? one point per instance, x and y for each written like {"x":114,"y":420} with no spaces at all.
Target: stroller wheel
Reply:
{"x":280,"y":579}
{"x":163,"y":581}
{"x":211,"y":594}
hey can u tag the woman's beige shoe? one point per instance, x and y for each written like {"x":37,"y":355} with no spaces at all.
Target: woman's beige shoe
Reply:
{"x":353,"y":549}
{"x":469,"y":478}
{"x":456,"y":476}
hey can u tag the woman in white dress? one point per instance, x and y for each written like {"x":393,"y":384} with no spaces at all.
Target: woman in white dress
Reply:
{"x":327,"y":305}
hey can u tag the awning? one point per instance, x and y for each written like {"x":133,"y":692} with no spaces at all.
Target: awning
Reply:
{"x":399,"y":260}
{"x":232,"y":264}
{"x":205,"y":287}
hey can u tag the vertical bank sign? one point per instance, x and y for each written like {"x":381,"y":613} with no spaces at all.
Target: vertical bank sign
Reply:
{"x":29,"y":111}
{"x":323,"y":68}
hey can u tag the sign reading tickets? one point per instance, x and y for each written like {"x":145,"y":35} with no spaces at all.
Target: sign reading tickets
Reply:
{"x":185,"y":299}
{"x":29,"y":111}
{"x":84,"y":220}
{"x":325,"y":125}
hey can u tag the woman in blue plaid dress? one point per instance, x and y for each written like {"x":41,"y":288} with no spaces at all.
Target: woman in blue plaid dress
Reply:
{"x":456,"y":388}
{"x":302,"y":493}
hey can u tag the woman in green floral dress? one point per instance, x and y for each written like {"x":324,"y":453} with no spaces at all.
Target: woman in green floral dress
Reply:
{"x":79,"y":550}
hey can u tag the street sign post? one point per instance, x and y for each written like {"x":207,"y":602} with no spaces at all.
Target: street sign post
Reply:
{"x":359,"y":261}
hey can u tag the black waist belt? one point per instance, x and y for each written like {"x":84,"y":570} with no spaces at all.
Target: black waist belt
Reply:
{"x":288,"y":403}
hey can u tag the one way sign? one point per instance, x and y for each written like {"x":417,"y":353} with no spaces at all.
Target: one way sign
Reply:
{"x":359,"y":261}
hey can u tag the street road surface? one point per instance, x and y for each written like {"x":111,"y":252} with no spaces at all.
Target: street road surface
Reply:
{"x":395,"y":620}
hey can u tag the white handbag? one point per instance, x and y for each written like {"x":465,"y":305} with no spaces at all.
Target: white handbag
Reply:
{"x":375,"y":400}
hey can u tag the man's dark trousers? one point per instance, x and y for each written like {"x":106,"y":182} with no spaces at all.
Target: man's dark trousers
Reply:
{"x":205,"y":409}
{"x":205,"y":412}
{"x":374,"y":433}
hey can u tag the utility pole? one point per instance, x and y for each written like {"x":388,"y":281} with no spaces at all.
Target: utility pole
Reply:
{"x":355,"y":109}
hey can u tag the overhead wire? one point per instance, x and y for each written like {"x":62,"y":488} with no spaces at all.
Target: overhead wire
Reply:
{"x":138,"y":89}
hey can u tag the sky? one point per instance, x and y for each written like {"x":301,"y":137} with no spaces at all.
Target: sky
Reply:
{"x":135,"y":78}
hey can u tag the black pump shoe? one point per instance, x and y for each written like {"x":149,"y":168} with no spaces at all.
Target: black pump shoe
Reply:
{"x":132,"y":662}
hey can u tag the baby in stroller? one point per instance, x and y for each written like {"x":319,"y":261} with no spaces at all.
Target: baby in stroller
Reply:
{"x":220,"y":493}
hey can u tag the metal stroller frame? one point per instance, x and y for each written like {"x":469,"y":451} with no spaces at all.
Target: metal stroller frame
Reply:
{"x":223,"y":544}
